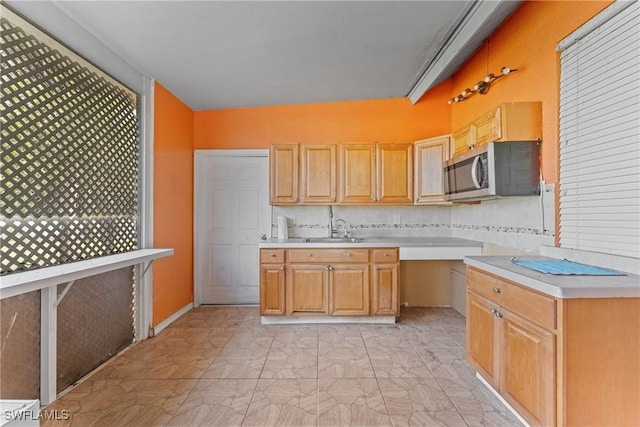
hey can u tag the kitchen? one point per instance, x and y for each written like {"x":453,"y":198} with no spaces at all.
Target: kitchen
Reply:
{"x":513,"y":227}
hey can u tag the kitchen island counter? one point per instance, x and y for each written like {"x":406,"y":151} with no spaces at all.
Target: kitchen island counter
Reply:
{"x":559,"y":286}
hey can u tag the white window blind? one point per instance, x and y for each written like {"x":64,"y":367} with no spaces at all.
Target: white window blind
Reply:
{"x":600,"y":134}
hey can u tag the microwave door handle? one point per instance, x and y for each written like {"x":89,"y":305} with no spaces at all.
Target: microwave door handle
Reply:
{"x":474,"y":171}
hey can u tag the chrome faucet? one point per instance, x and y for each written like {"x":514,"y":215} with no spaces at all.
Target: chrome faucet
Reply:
{"x":333,"y":227}
{"x":330,"y":226}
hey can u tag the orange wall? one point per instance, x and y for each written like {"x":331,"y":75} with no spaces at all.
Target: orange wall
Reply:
{"x":172,"y":204}
{"x":389,"y":120}
{"x":526,"y":41}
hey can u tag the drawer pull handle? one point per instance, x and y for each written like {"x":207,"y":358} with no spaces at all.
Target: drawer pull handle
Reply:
{"x":272,"y":255}
{"x":497,"y":290}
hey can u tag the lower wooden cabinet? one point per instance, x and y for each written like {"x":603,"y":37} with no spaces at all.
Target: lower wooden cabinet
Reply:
{"x":386,"y":290}
{"x":513,"y":354}
{"x":564,"y":362}
{"x":307,"y":289}
{"x":329,"y":282}
{"x":349,"y":290}
{"x":272,"y":282}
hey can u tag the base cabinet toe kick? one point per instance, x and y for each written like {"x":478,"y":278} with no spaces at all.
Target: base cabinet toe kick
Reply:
{"x":354,"y":284}
{"x":555,"y":361}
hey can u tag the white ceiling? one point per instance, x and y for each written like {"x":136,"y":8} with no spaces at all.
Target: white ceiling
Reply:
{"x":226,"y":54}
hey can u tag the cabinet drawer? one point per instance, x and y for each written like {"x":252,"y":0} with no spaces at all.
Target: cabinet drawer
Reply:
{"x":272,"y":255}
{"x":328,"y":255}
{"x":483,"y":284}
{"x":537,"y":308}
{"x":382,"y":256}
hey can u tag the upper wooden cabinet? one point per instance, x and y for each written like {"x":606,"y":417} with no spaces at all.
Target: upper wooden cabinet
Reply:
{"x":357,"y":173}
{"x":394,"y":173}
{"x":318,"y":173}
{"x":283,"y":174}
{"x":429,"y":155}
{"x":376,"y":173}
{"x":341,"y":174}
{"x":509,"y":122}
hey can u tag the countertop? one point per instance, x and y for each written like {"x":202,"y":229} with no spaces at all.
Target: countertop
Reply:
{"x":574,"y":286}
{"x":411,"y":248}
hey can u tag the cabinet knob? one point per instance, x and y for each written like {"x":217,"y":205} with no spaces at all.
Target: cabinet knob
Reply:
{"x":310,"y":254}
{"x":386,"y":254}
{"x":272,"y":255}
{"x":329,"y":268}
{"x":497,"y":290}
{"x":348,"y":253}
{"x":282,"y":267}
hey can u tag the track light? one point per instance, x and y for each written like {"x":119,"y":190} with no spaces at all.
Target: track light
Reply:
{"x":483,"y":86}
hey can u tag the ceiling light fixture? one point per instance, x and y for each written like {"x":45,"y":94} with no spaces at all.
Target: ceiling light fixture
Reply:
{"x":482,"y":87}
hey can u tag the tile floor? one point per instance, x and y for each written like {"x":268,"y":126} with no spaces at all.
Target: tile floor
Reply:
{"x":220,"y":367}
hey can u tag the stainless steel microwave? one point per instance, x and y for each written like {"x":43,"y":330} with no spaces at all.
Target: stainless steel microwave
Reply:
{"x":497,"y":169}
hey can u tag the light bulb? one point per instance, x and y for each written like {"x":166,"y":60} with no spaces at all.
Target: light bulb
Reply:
{"x":505,"y":70}
{"x":489,"y":78}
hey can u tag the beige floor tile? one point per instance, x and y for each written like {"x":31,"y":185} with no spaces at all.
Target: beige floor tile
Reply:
{"x":241,"y":363}
{"x":291,"y":363}
{"x":340,"y":336}
{"x":215,"y":402}
{"x":284,"y":402}
{"x":145,"y":402}
{"x":344,"y":363}
{"x":351,"y":402}
{"x":391,"y":362}
{"x":479,"y":407}
{"x":296,"y":336}
{"x":418,"y":402}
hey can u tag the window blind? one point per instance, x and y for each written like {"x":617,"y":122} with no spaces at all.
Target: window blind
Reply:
{"x":600,"y":136}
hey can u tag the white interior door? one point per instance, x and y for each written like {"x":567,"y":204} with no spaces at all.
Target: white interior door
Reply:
{"x":232,"y":212}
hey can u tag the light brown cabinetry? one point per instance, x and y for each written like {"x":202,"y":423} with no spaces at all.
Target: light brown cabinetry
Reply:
{"x":335,"y":282}
{"x":357,"y":173}
{"x":394,"y":173}
{"x":283,"y":174}
{"x":512,"y":121}
{"x":318,"y":173}
{"x":429,"y":155}
{"x":375,"y":173}
{"x":386,"y":291}
{"x":507,"y":347}
{"x":558,"y":362}
{"x":272,"y":282}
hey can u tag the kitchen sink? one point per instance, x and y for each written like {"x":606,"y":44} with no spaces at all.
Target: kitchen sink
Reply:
{"x":334,"y":240}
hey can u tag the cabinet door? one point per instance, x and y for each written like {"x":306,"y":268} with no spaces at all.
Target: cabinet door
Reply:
{"x":349,"y":290}
{"x":464,"y":139}
{"x":318,"y":173}
{"x":527,"y":378}
{"x":283,"y":174}
{"x":307,"y":289}
{"x":272,"y":286}
{"x":385,"y":290}
{"x":394,"y":163}
{"x":482,"y":337}
{"x":489,"y":127}
{"x":428,"y":170}
{"x":357,"y":173}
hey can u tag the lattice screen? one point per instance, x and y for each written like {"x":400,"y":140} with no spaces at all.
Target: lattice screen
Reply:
{"x":69,"y":180}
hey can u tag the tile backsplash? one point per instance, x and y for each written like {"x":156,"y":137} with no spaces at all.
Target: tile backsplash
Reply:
{"x":523,"y":223}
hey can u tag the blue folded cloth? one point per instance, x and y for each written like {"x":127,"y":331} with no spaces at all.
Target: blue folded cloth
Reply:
{"x":565,"y":267}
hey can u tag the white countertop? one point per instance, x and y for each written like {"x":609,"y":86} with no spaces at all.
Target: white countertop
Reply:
{"x":411,"y":248}
{"x":559,"y":286}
